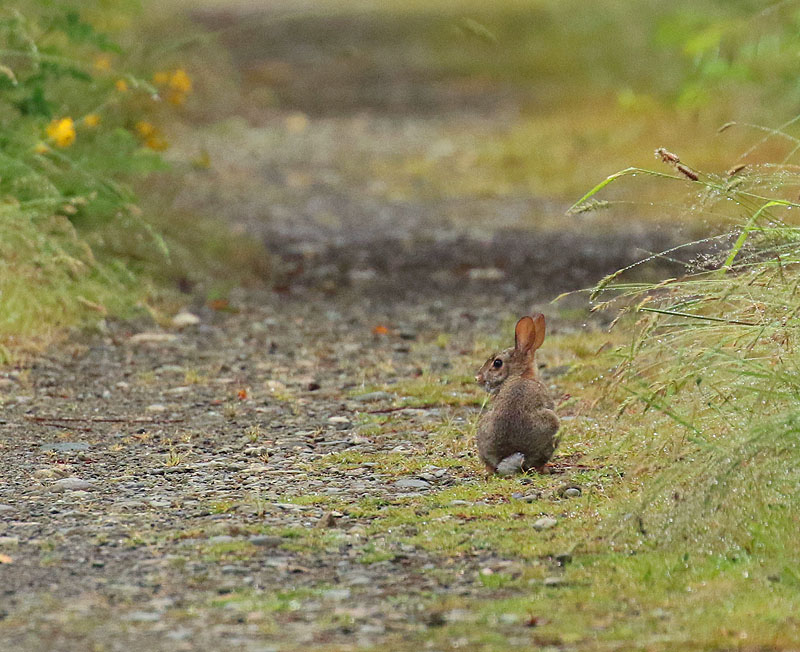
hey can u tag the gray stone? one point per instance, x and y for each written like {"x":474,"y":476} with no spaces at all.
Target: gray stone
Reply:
{"x":572,"y":492}
{"x":9,"y":541}
{"x":544,"y":523}
{"x":71,"y":484}
{"x":6,"y":508}
{"x":65,"y":446}
{"x":412,"y":483}
{"x":553,"y":581}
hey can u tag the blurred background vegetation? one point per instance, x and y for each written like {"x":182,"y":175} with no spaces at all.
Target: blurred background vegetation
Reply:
{"x":574,"y":91}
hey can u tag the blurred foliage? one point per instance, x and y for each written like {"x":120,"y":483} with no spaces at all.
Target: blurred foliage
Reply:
{"x":72,"y":139}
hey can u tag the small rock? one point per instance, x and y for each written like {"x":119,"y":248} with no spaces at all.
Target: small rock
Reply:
{"x":233,"y":570}
{"x":459,"y":503}
{"x":412,"y":483}
{"x":184,"y":319}
{"x":6,"y":508}
{"x":156,"y":407}
{"x":342,"y":420}
{"x":9,"y":541}
{"x":179,"y":634}
{"x":544,"y":523}
{"x":71,"y":484}
{"x":65,"y":446}
{"x":569,"y":491}
{"x":553,"y":581}
{"x":531,"y":498}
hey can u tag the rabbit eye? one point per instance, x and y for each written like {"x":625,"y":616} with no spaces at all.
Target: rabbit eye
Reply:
{"x":497,"y":363}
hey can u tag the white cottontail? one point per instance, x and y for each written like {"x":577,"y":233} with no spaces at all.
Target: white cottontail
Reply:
{"x":518,"y":431}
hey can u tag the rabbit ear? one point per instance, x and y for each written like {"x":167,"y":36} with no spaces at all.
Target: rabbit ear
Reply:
{"x":529,"y":333}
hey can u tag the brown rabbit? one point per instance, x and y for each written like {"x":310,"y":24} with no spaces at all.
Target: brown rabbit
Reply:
{"x":519,"y":429}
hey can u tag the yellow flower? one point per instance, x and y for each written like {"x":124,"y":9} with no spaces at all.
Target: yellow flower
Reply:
{"x":175,"y":98}
{"x":121,"y":85}
{"x":61,"y":132}
{"x":156,"y":142}
{"x":180,"y":82}
{"x":161,"y":78}
{"x":91,"y":119}
{"x":102,"y":62}
{"x":144,"y":129}
{"x":41,"y":148}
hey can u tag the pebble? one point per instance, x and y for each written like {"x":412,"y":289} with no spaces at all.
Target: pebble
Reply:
{"x":65,"y":446}
{"x":553,"y":581}
{"x":71,"y":484}
{"x":221,"y":538}
{"x":232,"y":570}
{"x":569,"y":491}
{"x":343,"y":420}
{"x":412,"y":483}
{"x":6,"y":508}
{"x":544,"y":523}
{"x":9,"y":541}
{"x":153,"y":338}
{"x":184,"y":319}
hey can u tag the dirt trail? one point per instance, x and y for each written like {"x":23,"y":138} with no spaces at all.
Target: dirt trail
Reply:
{"x":160,"y":484}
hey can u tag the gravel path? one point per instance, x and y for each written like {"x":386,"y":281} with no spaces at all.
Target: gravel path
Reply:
{"x":150,"y":473}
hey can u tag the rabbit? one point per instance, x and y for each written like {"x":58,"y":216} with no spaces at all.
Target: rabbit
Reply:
{"x":519,"y":430}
